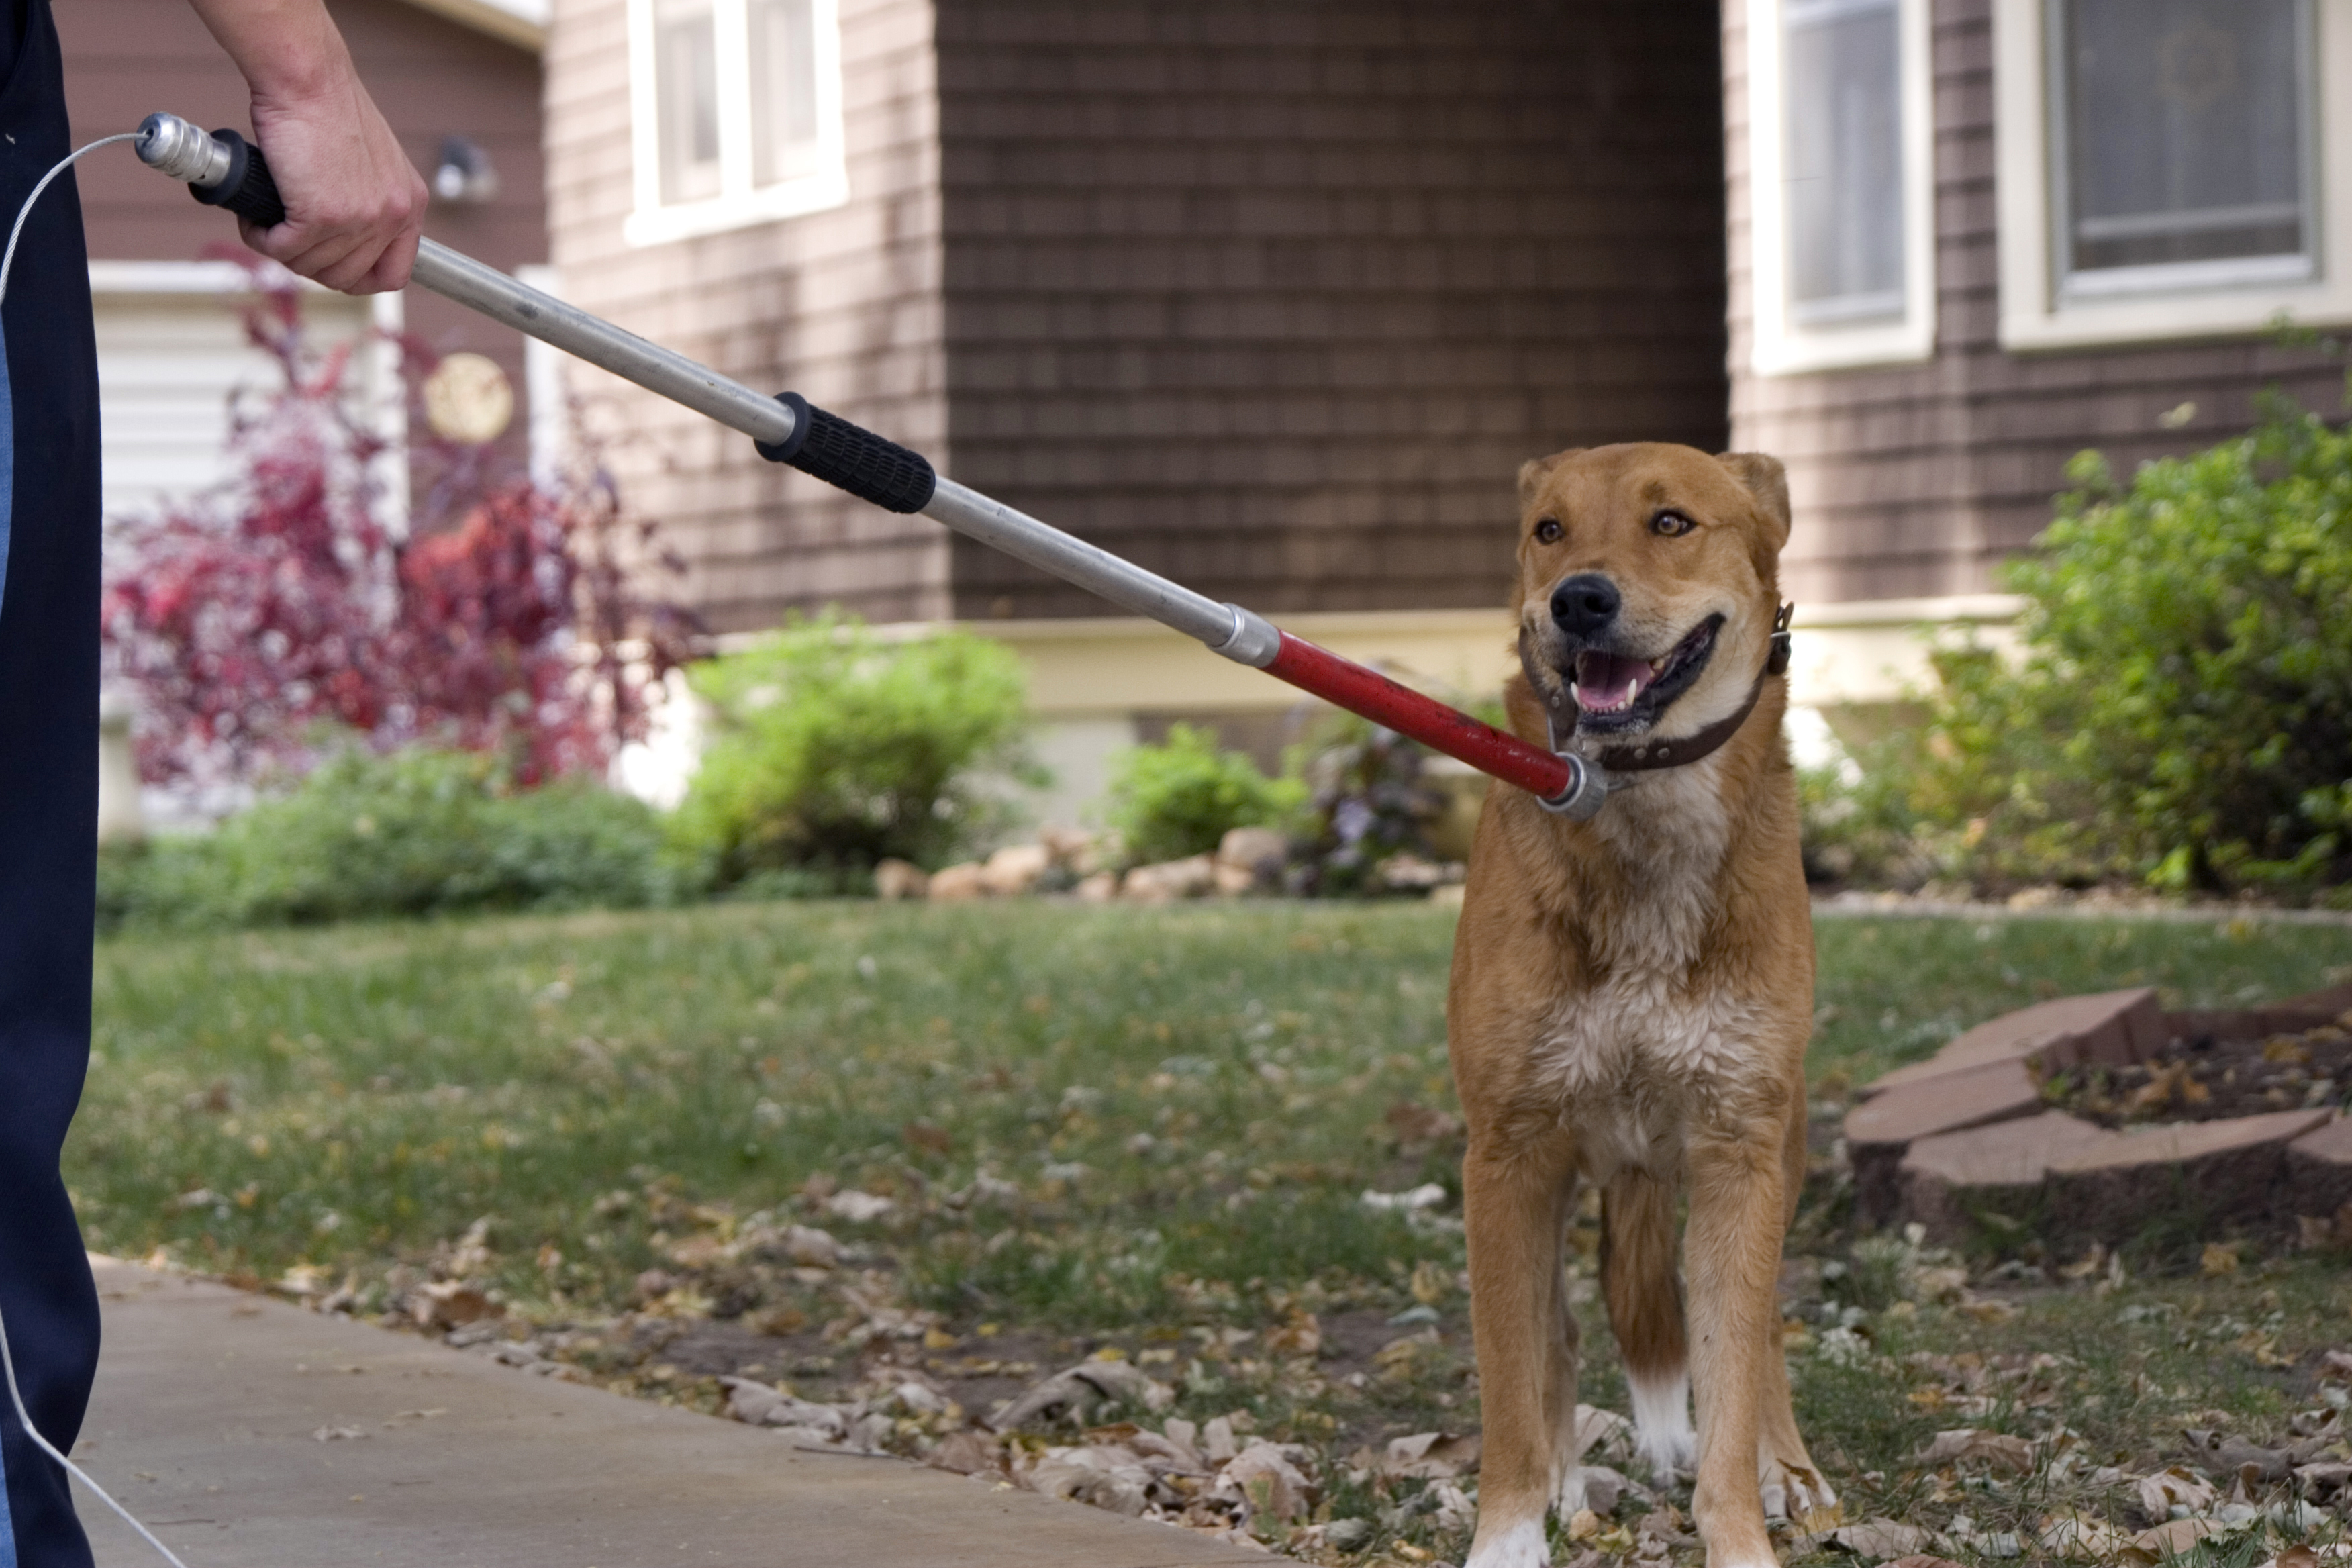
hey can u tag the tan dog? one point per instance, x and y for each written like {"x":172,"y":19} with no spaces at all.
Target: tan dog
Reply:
{"x":1631,"y":996}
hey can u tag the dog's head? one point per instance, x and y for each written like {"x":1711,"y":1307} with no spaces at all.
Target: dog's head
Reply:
{"x":1648,"y":580}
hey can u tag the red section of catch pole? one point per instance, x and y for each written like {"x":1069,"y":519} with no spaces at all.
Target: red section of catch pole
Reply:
{"x":1426,"y":719}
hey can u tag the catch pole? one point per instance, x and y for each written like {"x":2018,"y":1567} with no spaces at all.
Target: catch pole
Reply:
{"x":224,"y":170}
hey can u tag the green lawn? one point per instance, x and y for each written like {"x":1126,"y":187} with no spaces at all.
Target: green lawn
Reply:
{"x":1184,"y":1104}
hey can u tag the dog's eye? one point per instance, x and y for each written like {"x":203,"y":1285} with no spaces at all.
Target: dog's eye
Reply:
{"x":1671,"y":525}
{"x":1548,"y":531}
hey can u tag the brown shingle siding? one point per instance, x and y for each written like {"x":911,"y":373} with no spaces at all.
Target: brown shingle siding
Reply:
{"x":1277,"y":297}
{"x":1916,"y":479}
{"x":844,"y":306}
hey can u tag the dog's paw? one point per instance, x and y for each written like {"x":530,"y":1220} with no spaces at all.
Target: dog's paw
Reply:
{"x":1521,"y":1545}
{"x":1800,"y":1495}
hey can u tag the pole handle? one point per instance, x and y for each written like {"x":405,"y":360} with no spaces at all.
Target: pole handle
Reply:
{"x":248,"y":189}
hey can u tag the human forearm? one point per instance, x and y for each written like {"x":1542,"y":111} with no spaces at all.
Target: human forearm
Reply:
{"x":355,"y":206}
{"x":286,"y":49}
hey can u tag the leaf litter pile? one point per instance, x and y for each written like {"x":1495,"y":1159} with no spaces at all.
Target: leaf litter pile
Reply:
{"x":1125,"y":1209}
{"x":2205,"y":1079}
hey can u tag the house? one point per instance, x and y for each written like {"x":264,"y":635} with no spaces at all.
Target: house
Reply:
{"x":1274,"y":298}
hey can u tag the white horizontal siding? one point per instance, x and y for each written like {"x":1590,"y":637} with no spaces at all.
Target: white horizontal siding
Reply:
{"x":168,"y":364}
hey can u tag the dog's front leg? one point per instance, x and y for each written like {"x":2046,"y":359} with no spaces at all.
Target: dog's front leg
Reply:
{"x":1732,"y":1255}
{"x":1513,"y":1200}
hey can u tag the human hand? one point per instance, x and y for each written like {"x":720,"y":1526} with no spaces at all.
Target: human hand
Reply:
{"x":354,"y":203}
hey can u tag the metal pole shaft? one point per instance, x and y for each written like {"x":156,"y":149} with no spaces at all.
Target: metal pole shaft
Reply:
{"x":492,"y":293}
{"x":1227,"y":629}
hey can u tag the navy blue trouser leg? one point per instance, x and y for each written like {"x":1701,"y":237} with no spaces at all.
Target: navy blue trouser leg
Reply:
{"x":49,"y":791}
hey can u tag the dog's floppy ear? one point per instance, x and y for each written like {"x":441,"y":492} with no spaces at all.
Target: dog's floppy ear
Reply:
{"x":1532,"y":472}
{"x":1763,"y":478}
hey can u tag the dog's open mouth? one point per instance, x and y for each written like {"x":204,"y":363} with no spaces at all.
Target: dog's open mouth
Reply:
{"x":1614,"y":691}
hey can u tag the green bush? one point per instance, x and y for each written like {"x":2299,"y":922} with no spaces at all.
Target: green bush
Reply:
{"x":2184,"y":711}
{"x":832,"y":749}
{"x":416,"y":832}
{"x":1180,"y":797}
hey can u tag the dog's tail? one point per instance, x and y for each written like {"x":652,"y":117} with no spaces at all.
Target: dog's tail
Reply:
{"x":1644,"y":1291}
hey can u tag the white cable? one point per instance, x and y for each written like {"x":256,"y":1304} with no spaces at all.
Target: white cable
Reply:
{"x":7,"y":1361}
{"x":9,"y":260}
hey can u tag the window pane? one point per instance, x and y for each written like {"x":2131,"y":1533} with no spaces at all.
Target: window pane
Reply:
{"x":783,"y":90}
{"x":1842,"y":83}
{"x":2184,"y":123}
{"x":686,"y":91}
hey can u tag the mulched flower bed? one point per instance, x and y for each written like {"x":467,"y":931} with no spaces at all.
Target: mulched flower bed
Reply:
{"x":2201,"y":1078}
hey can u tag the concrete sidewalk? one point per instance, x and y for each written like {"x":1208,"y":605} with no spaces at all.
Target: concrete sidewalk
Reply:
{"x":209,"y":1403}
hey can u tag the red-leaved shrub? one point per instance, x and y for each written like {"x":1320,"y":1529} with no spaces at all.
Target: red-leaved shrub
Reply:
{"x":262,"y":620}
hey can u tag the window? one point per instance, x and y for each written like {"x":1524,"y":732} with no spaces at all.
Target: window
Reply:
{"x":736,"y":110}
{"x":1841,"y":245}
{"x":2160,"y":166}
{"x":2180,"y":146}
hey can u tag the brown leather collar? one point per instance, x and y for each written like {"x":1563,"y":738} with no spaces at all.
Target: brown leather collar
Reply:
{"x":1646,"y":756}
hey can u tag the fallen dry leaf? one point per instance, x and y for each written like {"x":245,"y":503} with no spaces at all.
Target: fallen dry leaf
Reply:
{"x":968,"y":1453}
{"x":1964,"y":1443}
{"x":2175,"y":1536}
{"x":1268,"y":1478}
{"x":1429,"y":1456}
{"x":450,"y":1304}
{"x":2073,"y":1535}
{"x":1074,"y":1393}
{"x":1101,"y":1477}
{"x":2159,"y":1493}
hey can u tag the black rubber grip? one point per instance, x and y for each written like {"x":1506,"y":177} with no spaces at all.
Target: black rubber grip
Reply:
{"x":248,"y":190}
{"x":852,"y":457}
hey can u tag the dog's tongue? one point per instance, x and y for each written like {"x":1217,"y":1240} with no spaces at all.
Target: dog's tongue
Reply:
{"x":1605,"y":683}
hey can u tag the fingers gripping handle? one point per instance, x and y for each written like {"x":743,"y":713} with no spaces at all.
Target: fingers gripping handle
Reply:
{"x":222,"y":170}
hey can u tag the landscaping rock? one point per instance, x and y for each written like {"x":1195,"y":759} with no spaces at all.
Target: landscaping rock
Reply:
{"x":895,"y":880}
{"x":1879,"y":1130}
{"x":2319,"y":1171}
{"x":1250,"y":857}
{"x":1016,"y":870}
{"x":2226,"y":1175}
{"x":1078,"y":850}
{"x":2004,"y":1159}
{"x":1099,"y":889}
{"x":958,"y":884}
{"x":2114,"y":1026}
{"x":1171,"y":881}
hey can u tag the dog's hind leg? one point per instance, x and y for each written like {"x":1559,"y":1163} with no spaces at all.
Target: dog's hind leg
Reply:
{"x":1792,"y":1485}
{"x":1646,"y":1311}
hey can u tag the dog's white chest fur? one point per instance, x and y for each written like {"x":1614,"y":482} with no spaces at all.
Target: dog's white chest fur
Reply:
{"x":1629,"y":1057}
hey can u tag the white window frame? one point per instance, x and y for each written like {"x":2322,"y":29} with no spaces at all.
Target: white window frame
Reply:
{"x":2213,"y":300}
{"x":1781,"y":345}
{"x":739,"y":202}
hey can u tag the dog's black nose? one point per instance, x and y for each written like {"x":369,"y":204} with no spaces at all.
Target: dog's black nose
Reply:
{"x":1585,"y":604}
